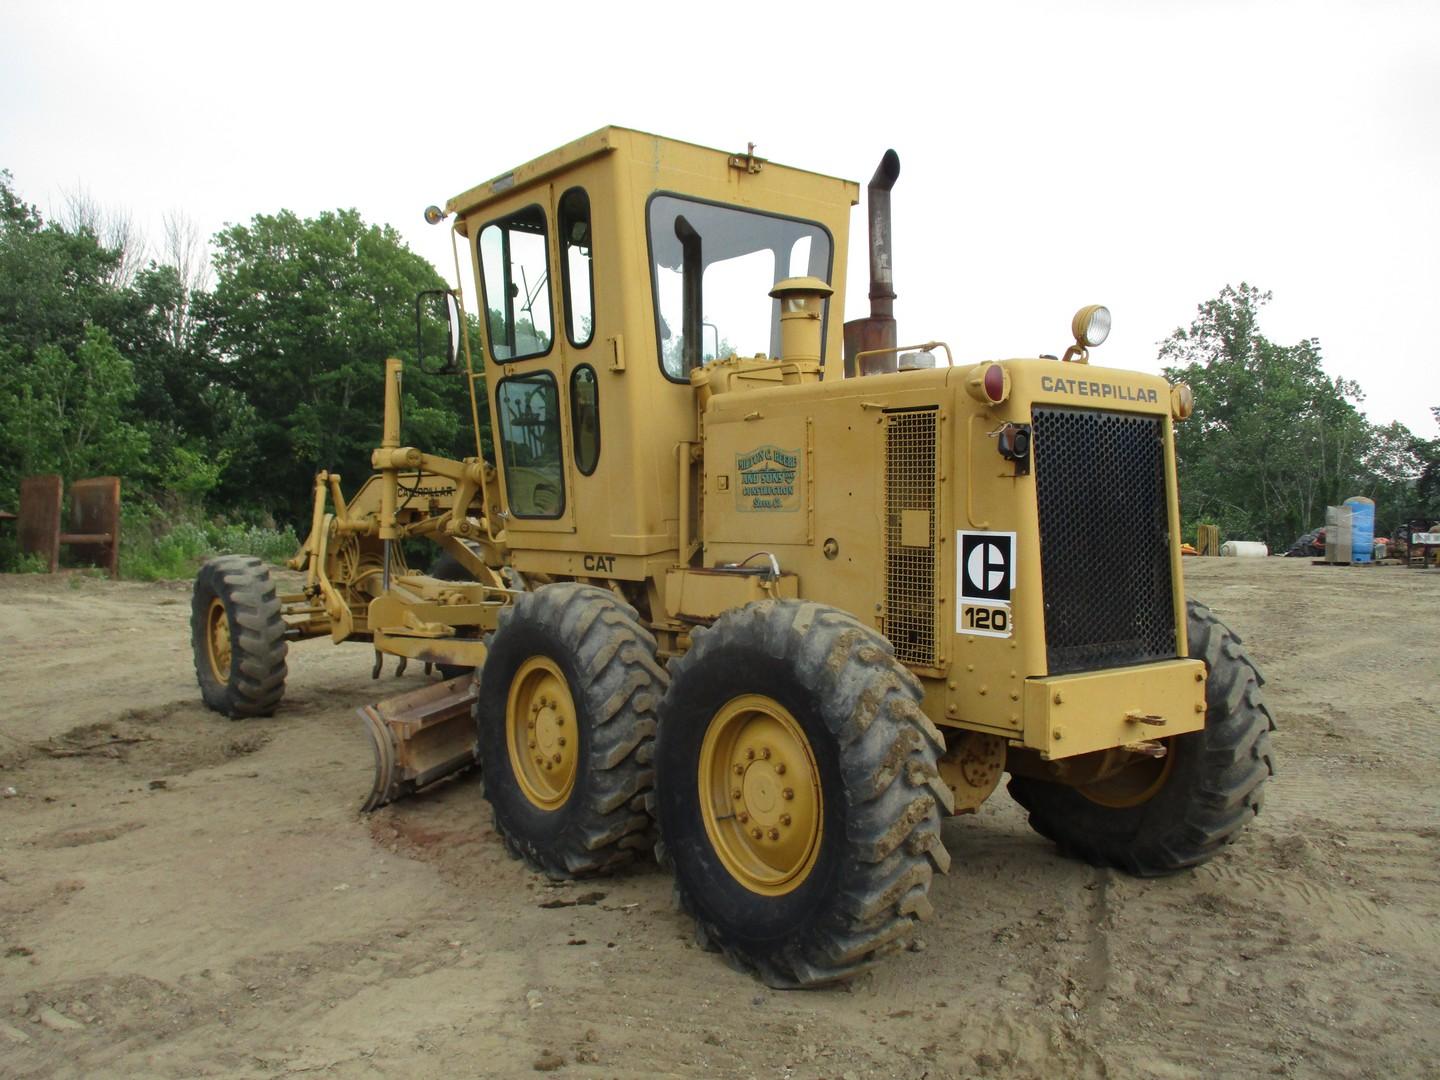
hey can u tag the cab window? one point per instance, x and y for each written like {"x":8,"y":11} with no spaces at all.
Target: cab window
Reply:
{"x":577,"y":273}
{"x":515,"y":273}
{"x":712,"y":269}
{"x":529,"y":407}
{"x":585,"y":418}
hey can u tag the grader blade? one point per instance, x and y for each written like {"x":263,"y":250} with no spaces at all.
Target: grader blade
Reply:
{"x":420,"y":737}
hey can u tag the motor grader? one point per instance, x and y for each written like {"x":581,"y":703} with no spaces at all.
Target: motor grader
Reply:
{"x":765,"y":593}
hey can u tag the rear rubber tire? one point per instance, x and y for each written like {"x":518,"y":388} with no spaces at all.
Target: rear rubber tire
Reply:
{"x":875,"y":758}
{"x":253,"y":681}
{"x":447,"y":568}
{"x":607,"y":659}
{"x":1214,"y":788}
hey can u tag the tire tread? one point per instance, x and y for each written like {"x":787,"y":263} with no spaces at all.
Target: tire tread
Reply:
{"x":611,"y":648}
{"x":1229,"y":793}
{"x":869,"y":704}
{"x":257,"y":636}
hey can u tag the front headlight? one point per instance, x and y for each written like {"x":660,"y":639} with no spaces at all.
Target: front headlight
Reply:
{"x":1091,"y":325}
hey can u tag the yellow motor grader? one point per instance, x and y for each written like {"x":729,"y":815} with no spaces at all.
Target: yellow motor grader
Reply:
{"x":760,"y":591}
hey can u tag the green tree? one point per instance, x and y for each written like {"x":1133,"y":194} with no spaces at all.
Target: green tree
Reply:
{"x":65,"y":411}
{"x":1424,"y":502}
{"x":529,"y":341}
{"x":305,"y":310}
{"x":66,"y":386}
{"x":52,"y":282}
{"x":1396,"y":463}
{"x":1274,"y":439}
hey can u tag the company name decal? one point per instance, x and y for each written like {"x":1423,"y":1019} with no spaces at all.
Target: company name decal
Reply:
{"x":767,"y":479}
{"x":1081,"y":388}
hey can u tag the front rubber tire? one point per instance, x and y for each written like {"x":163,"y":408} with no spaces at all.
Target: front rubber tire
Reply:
{"x":594,"y":641}
{"x":1213,"y":788}
{"x":874,"y":755}
{"x":234,"y":598}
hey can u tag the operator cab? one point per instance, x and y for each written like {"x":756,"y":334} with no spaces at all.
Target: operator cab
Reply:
{"x":608,"y":271}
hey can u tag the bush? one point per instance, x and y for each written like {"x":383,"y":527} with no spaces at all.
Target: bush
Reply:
{"x":160,"y":546}
{"x":153,"y":548}
{"x":10,"y":558}
{"x":13,"y":562}
{"x":272,"y":545}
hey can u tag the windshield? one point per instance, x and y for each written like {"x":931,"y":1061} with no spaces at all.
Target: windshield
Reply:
{"x":714,"y":267}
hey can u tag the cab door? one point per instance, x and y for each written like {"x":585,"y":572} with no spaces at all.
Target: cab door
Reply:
{"x":523,"y":334}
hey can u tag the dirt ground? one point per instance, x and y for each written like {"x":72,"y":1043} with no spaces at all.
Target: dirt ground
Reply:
{"x":182,"y":895}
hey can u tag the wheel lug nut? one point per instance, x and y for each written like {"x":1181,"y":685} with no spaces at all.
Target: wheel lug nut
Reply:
{"x":555,"y":758}
{"x":739,"y":770}
{"x":755,"y":832}
{"x":774,"y":834}
{"x":735,"y":794}
{"x":788,"y":793}
{"x":779,"y":768}
{"x":749,"y":754}
{"x":765,"y":752}
{"x":784,"y":819}
{"x":561,"y":740}
{"x":532,"y":744}
{"x":744,"y":817}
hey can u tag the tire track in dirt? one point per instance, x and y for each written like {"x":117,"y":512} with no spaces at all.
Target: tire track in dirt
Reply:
{"x":256,"y":926}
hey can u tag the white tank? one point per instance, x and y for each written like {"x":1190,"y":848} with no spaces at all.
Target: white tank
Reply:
{"x":1244,"y":549}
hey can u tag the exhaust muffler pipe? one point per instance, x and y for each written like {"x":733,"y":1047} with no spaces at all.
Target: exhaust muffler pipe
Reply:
{"x":878,"y":330}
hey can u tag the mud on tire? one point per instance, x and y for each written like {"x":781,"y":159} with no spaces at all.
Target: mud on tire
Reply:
{"x":875,"y":755}
{"x":1213,"y":788}
{"x":234,"y":608}
{"x":608,"y":661}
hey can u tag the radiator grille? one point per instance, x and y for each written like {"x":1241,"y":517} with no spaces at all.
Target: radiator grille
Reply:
{"x":910,"y":470}
{"x":1104,"y":540}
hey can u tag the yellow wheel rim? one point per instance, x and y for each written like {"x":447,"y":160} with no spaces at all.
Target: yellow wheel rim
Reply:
{"x":217,"y":640}
{"x":1135,"y":784}
{"x":760,"y":795}
{"x":542,"y":733}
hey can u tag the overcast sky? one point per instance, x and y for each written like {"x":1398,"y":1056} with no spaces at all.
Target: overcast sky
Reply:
{"x":1140,"y":155}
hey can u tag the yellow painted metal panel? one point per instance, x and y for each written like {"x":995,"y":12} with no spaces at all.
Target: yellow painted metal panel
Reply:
{"x":1067,"y":715}
{"x":705,"y":594}
{"x":765,"y":466}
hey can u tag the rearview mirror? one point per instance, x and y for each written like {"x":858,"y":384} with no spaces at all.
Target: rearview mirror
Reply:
{"x":437,"y":330}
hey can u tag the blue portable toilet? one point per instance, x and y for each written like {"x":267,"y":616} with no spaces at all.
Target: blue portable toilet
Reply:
{"x":1362,"y":528}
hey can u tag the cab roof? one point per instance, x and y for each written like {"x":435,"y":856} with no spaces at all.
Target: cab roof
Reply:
{"x":598,"y":143}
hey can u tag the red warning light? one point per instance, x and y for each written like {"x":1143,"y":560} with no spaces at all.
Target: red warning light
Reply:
{"x":995,"y":383}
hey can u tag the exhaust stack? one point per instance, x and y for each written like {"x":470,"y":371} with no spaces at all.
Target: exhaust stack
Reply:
{"x":878,"y":330}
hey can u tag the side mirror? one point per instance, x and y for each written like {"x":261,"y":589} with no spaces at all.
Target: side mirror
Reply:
{"x":437,"y":324}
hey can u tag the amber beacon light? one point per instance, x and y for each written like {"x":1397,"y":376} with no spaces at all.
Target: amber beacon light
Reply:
{"x":1182,"y":401}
